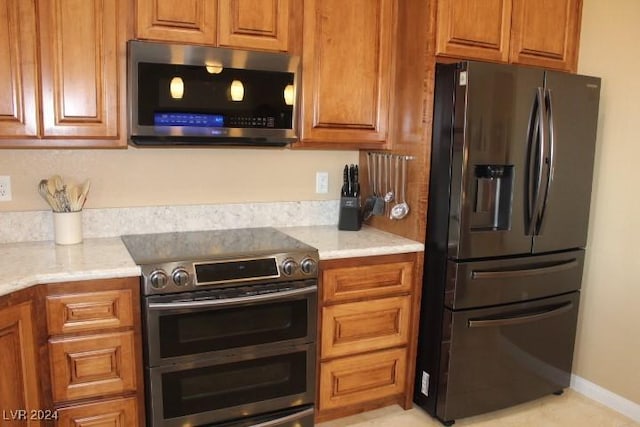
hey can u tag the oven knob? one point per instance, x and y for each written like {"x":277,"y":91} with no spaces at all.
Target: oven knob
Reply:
{"x":308,"y":266}
{"x":289,"y":266}
{"x":158,"y":279}
{"x":180,"y":276}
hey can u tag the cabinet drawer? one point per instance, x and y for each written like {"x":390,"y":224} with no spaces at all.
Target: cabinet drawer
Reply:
{"x":92,"y":366}
{"x":119,"y":412}
{"x":352,"y":380}
{"x":89,"y":311}
{"x":363,"y":326}
{"x":365,"y":281}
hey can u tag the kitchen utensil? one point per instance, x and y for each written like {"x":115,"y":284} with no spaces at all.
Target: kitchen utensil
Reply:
{"x":389,"y":195}
{"x":356,"y":181}
{"x":43,"y":189}
{"x":345,"y":181}
{"x":367,"y":209}
{"x":83,"y":193}
{"x":378,"y":207}
{"x":401,"y":209}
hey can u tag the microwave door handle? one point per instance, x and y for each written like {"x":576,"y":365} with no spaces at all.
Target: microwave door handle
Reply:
{"x":160,"y":306}
{"x":515,"y":320}
{"x":285,"y":420}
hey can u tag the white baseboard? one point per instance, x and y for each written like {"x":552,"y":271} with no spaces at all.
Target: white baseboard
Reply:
{"x":606,"y":397}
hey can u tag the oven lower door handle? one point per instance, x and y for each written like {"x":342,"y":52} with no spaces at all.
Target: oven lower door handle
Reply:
{"x":230,"y":301}
{"x":282,"y":421}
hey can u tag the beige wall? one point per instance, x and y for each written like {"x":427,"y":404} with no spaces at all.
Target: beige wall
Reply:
{"x":151,"y":177}
{"x":608,"y":347}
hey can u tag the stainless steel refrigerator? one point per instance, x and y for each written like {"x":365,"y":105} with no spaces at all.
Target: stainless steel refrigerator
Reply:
{"x":509,"y":194}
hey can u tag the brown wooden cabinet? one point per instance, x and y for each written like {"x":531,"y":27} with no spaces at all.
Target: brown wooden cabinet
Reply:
{"x":528,"y":32}
{"x":243,"y":24}
{"x":19,"y":387}
{"x":348,"y":65}
{"x":77,"y":48}
{"x":368,"y":309}
{"x":18,"y":70}
{"x":546,"y":33}
{"x":94,"y":349}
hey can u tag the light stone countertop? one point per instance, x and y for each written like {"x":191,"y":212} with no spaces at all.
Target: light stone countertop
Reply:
{"x":333,"y":243}
{"x":30,"y":263}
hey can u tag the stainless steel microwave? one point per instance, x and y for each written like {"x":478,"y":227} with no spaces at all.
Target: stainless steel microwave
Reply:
{"x":195,"y":95}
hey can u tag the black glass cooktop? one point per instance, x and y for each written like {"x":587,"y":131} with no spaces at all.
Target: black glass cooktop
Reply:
{"x":211,"y":245}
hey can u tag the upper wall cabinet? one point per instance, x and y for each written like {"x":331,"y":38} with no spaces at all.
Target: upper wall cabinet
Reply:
{"x":347,"y":61}
{"x":18,"y":81}
{"x":244,"y":24}
{"x":542,"y":33}
{"x":75,"y":47}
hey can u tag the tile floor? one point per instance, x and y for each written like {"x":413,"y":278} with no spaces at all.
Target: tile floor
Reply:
{"x":569,"y":410}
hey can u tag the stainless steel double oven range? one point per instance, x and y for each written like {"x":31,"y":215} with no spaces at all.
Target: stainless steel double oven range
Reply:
{"x":229,"y":327}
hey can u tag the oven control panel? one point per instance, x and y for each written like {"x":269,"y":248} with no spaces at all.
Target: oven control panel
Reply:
{"x":185,"y":276}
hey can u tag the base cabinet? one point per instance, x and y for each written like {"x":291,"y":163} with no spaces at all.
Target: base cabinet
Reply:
{"x":367,"y":325}
{"x":95,"y":352}
{"x":119,"y":412}
{"x":19,"y":388}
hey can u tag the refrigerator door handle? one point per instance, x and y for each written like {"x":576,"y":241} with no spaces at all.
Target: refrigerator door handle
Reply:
{"x":549,"y":161}
{"x":514,"y":320}
{"x":508,"y":274}
{"x":538,"y":146}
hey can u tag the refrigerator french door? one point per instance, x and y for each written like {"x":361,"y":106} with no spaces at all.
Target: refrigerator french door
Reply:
{"x":509,"y":194}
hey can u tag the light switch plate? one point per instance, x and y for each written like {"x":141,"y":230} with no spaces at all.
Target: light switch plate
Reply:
{"x":322,"y":182}
{"x":5,"y":188}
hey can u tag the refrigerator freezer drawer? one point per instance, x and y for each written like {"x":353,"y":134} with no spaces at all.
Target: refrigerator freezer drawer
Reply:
{"x":502,"y":356}
{"x":487,"y":283}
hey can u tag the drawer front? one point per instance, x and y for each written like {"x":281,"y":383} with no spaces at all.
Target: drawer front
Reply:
{"x":89,"y":311}
{"x":92,"y":366}
{"x":353,"y":380}
{"x":119,"y":412}
{"x":366,"y":281}
{"x":364,"y":326}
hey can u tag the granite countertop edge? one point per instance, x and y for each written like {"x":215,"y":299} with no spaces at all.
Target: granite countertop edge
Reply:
{"x":28,"y":264}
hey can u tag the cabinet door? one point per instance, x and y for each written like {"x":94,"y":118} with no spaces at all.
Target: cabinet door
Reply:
{"x":354,"y":380}
{"x":363,"y":326}
{"x":545,"y":33}
{"x":473,"y":29}
{"x":254,"y":24}
{"x":184,"y":21}
{"x":120,"y":412}
{"x":348,"y":63}
{"x":92,"y":366}
{"x":18,"y":84}
{"x":18,"y":368}
{"x":79,"y":54}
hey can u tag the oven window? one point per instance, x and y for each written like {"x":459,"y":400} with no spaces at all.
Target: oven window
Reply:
{"x":224,"y":386}
{"x":224,"y":328}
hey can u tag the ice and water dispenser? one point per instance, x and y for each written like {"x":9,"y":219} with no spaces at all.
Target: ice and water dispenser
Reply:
{"x":493,"y":195}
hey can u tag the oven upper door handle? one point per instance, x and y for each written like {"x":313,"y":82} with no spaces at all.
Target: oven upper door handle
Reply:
{"x":230,"y":301}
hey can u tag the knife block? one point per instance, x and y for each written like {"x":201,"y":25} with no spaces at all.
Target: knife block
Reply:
{"x":349,"y":218}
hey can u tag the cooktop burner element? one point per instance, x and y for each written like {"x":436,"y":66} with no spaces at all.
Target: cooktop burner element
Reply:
{"x":186,"y":261}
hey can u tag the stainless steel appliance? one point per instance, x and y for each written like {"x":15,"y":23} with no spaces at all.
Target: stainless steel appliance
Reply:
{"x":509,"y":195}
{"x":229,"y":327}
{"x":197,"y":95}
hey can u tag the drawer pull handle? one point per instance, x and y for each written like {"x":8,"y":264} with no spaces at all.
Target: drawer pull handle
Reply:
{"x":506,"y":274}
{"x":507,"y":321}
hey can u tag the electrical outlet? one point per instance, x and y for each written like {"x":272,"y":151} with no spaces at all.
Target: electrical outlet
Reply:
{"x":424,"y":384}
{"x":322,"y":182}
{"x":5,"y":188}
